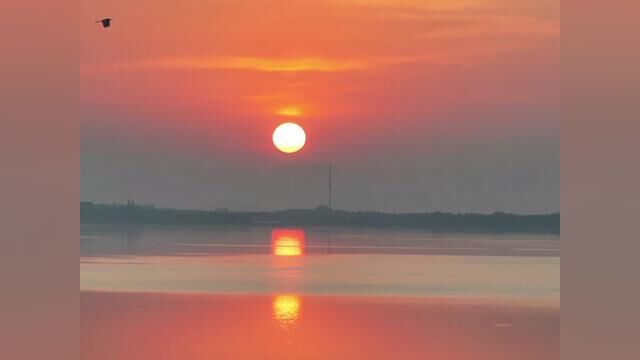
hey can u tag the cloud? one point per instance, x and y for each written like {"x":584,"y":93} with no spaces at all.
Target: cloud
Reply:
{"x":280,"y":65}
{"x":433,"y":5}
{"x":265,"y":64}
{"x":426,"y":8}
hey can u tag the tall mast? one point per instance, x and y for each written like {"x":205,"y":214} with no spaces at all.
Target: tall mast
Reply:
{"x":330,"y":204}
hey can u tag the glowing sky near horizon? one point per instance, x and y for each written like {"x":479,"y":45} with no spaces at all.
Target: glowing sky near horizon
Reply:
{"x":419,"y":105}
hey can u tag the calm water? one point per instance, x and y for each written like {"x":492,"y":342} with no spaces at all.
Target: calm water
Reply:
{"x":319,"y":261}
{"x":316,"y":293}
{"x":186,"y":326}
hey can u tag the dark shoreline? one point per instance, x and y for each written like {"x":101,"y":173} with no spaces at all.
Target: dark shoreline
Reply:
{"x":436,"y":222}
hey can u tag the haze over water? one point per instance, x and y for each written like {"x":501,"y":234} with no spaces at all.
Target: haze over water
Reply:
{"x":316,"y":293}
{"x":320,"y":261}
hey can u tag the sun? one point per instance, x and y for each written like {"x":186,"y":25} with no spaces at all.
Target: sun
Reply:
{"x":289,"y":137}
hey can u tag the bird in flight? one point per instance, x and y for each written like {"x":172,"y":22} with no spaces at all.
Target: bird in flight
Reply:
{"x":105,"y":22}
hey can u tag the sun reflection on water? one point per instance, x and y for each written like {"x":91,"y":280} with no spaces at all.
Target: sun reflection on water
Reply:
{"x":286,"y":310}
{"x":287,"y":245}
{"x":287,"y":242}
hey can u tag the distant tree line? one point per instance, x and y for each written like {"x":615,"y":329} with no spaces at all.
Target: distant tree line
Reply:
{"x":498,"y":222}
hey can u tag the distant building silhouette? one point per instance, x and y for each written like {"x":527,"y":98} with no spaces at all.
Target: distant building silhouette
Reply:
{"x":323,"y":208}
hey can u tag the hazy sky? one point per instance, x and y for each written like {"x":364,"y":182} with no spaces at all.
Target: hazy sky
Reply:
{"x":419,"y":105}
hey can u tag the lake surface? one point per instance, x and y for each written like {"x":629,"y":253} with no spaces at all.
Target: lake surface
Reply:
{"x":316,"y":293}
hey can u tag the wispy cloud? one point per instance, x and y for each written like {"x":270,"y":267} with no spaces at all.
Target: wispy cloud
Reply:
{"x":432,"y":5}
{"x":278,"y":65}
{"x":265,"y":64}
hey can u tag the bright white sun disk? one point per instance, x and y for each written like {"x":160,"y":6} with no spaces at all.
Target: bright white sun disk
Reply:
{"x":289,"y":137}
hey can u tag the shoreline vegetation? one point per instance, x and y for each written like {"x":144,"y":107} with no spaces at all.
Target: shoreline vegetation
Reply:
{"x":498,"y":222}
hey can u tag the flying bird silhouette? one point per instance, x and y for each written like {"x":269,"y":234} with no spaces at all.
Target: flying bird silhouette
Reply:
{"x":105,"y":22}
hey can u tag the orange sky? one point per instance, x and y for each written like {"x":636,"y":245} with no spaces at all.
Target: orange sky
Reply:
{"x":364,"y":78}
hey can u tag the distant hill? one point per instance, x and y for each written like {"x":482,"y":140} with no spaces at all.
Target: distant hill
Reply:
{"x":498,"y":222}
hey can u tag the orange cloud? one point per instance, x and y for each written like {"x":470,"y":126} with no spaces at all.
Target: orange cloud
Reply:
{"x":299,"y":64}
{"x":289,"y":111}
